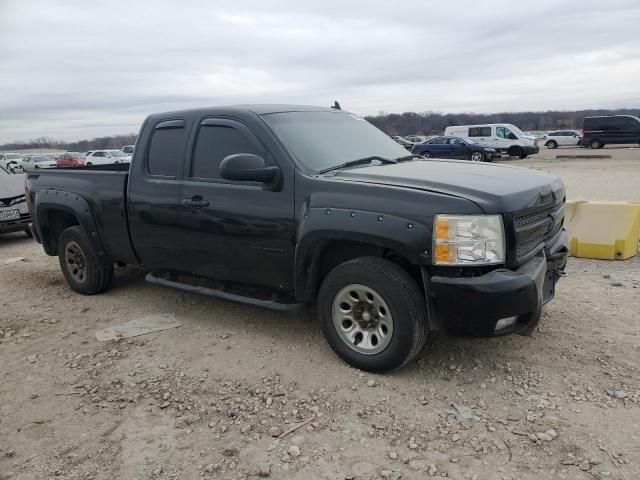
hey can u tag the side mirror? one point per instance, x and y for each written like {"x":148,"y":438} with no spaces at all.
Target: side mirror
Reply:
{"x":245,"y":167}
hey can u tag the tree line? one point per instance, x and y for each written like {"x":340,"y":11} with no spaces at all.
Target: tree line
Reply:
{"x":114,"y":142}
{"x":425,"y":123}
{"x":434,"y":123}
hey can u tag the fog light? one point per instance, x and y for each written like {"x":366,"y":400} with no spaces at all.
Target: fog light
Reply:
{"x":505,"y":322}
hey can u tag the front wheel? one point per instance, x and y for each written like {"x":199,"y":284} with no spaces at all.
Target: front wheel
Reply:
{"x":477,"y":157}
{"x":80,"y":265}
{"x":552,"y":144}
{"x":426,"y":155}
{"x":373,"y":314}
{"x":516,"y":152}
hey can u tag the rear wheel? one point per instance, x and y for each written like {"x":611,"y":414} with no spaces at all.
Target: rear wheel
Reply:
{"x":426,"y":155}
{"x":552,"y":144}
{"x":82,"y":269}
{"x":373,"y":314}
{"x":477,"y":157}
{"x":596,"y":144}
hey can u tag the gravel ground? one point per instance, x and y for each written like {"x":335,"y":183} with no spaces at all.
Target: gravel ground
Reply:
{"x":210,"y":399}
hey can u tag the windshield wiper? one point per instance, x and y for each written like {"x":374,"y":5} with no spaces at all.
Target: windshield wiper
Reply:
{"x":358,"y":161}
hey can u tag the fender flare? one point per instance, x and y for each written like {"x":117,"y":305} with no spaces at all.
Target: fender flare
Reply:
{"x":322,"y":226}
{"x":74,"y":205}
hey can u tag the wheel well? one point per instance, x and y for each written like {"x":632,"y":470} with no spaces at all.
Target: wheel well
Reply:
{"x":514,"y":148}
{"x":59,"y":220}
{"x":335,"y":252}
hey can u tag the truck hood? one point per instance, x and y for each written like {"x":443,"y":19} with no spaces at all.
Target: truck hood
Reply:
{"x":494,"y":188}
{"x":11,"y":186}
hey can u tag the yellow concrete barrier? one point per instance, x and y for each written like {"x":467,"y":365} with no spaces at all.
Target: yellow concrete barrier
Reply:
{"x":603,"y":230}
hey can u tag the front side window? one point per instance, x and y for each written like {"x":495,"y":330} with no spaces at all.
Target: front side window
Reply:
{"x":166,"y":151}
{"x":214,"y":143}
{"x":437,"y":141}
{"x":504,"y":132}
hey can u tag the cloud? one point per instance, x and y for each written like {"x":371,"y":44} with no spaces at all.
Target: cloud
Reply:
{"x":79,"y":69}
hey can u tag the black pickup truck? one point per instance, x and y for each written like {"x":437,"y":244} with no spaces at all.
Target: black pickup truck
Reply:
{"x":313,"y":205}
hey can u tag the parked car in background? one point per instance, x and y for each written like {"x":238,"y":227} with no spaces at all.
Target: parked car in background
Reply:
{"x":504,"y":136}
{"x":14,"y":212}
{"x":417,"y":138}
{"x":10,"y":160}
{"x":455,"y":147}
{"x":106,"y":157}
{"x":70,"y":159}
{"x":600,"y":131}
{"x":404,"y":142}
{"x":536,"y":134}
{"x":36,"y":161}
{"x":562,"y":138}
{"x":128,"y":149}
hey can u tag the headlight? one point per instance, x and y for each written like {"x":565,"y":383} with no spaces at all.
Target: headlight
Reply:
{"x":468,"y":240}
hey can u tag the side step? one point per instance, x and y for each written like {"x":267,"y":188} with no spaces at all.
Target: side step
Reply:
{"x":232,"y":297}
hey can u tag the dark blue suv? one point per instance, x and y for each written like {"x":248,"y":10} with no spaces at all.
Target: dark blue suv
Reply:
{"x":455,"y":147}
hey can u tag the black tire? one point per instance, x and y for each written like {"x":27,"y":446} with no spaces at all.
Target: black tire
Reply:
{"x":595,"y":143}
{"x":97,"y":274}
{"x":477,"y":157}
{"x":405,"y":301}
{"x":426,"y":155}
{"x":552,"y":144}
{"x":516,"y":152}
{"x":28,"y":233}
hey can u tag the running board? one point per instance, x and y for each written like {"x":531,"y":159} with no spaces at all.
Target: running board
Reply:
{"x":232,"y":297}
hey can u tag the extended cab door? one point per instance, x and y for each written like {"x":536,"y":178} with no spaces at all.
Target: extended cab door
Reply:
{"x":235,"y":231}
{"x":154,"y":196}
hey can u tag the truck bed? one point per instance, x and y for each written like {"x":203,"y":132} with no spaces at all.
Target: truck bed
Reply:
{"x":104,"y":187}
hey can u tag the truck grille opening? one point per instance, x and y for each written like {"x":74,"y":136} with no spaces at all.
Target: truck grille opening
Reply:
{"x":534,"y":226}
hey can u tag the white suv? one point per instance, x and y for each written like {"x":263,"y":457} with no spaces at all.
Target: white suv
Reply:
{"x":562,"y":138}
{"x":501,"y":136}
{"x":106,"y":157}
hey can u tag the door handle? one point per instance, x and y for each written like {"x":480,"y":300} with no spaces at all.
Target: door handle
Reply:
{"x":195,"y":202}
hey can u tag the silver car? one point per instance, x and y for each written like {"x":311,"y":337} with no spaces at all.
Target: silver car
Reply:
{"x":14,"y":212}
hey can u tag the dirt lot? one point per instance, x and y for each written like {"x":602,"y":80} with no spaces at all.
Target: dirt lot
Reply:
{"x":208,"y":399}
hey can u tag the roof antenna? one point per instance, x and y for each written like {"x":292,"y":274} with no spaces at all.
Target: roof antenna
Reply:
{"x":336,"y":105}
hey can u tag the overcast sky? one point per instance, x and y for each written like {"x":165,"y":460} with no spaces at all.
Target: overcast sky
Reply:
{"x":81,"y":69}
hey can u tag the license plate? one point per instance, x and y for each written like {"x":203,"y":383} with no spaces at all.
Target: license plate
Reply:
{"x":9,"y":215}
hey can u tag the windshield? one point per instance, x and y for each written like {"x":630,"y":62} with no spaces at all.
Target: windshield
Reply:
{"x":516,"y":130}
{"x":468,"y":140}
{"x":321,"y":140}
{"x":117,"y":153}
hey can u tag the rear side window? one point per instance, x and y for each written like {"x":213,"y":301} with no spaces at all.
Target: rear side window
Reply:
{"x":166,"y":151}
{"x":480,"y":132}
{"x":214,"y":143}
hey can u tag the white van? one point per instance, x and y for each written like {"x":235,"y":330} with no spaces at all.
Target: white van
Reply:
{"x":504,"y":136}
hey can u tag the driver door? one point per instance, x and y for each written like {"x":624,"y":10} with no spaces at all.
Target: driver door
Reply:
{"x":233,"y":230}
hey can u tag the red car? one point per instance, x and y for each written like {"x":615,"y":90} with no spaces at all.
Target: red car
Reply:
{"x":70,"y":159}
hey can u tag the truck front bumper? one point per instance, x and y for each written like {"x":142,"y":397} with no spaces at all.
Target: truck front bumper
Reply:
{"x":500,"y":302}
